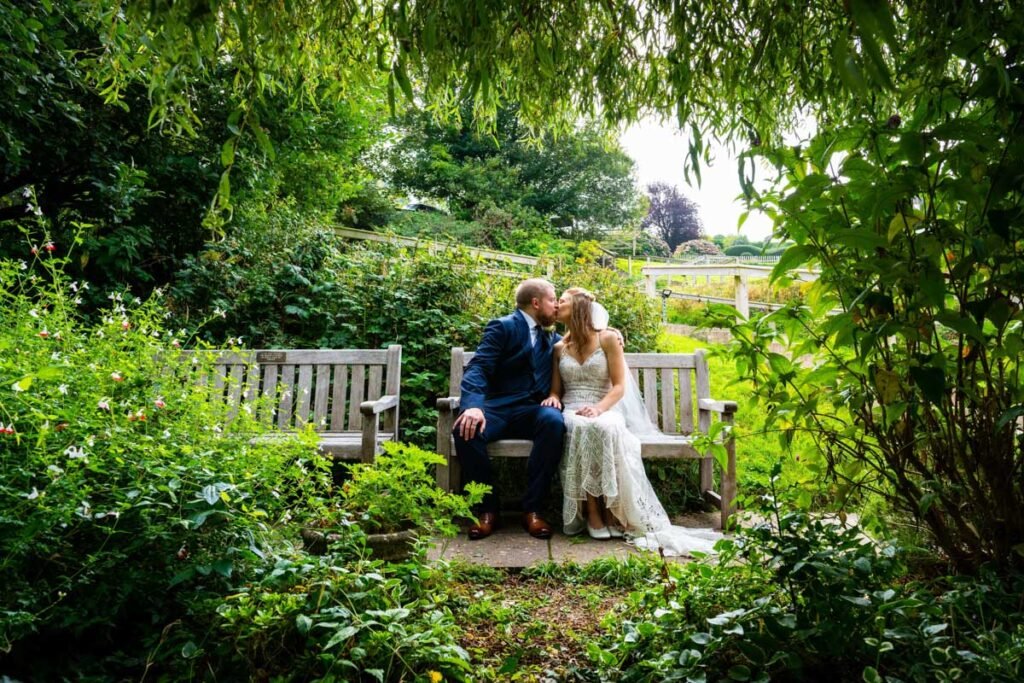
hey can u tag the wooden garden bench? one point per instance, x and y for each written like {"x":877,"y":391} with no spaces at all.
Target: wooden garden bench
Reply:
{"x":673,"y":385}
{"x":350,"y":396}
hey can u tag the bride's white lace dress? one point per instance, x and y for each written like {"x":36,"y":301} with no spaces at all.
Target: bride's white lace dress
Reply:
{"x":602,"y":458}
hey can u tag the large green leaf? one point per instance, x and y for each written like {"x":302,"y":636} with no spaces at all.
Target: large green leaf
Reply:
{"x":792,"y":258}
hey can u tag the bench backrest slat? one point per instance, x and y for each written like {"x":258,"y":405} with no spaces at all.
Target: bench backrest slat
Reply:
{"x":668,"y":382}
{"x":338,"y":398}
{"x":668,"y":399}
{"x":322,"y":386}
{"x":685,"y":403}
{"x":304,"y":393}
{"x":358,"y":387}
{"x":287,"y":396}
{"x":321,"y":395}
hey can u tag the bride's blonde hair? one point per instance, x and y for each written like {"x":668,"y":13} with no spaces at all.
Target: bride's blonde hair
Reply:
{"x":581,"y":323}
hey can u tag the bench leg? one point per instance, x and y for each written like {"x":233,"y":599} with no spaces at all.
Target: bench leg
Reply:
{"x":729,"y":476}
{"x":368,"y":452}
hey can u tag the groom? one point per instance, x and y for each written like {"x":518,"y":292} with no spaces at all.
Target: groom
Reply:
{"x":501,"y":393}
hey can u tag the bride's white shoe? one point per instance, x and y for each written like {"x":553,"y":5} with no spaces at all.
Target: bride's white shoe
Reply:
{"x":602,"y":534}
{"x":615,"y":532}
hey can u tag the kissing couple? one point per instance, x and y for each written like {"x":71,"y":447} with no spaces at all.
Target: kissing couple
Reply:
{"x":574,"y":397}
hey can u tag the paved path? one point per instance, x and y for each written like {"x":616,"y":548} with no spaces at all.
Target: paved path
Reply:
{"x":512,"y":548}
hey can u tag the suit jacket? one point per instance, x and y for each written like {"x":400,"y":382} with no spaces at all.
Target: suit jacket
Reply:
{"x":502,"y":372}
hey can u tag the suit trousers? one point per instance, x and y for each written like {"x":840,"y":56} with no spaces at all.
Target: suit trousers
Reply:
{"x":542,"y":424}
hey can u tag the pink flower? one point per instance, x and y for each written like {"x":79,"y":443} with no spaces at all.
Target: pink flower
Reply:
{"x":125,"y":325}
{"x":6,"y":429}
{"x":159,"y":403}
{"x":175,"y":343}
{"x":116,"y":376}
{"x":103,"y":405}
{"x":34,"y":250}
{"x":44,"y":333}
{"x":50,"y":246}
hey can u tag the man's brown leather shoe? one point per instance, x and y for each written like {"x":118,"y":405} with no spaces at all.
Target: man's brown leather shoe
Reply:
{"x":485,"y":527}
{"x":536,"y":526}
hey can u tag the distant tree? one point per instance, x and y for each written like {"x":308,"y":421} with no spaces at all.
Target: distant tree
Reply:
{"x":579,"y":183}
{"x":672,"y":216}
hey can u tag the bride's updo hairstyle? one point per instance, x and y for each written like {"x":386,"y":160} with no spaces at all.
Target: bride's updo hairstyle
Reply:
{"x":581,"y":323}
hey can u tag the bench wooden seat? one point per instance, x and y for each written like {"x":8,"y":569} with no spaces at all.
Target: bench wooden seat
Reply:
{"x":674,"y":387}
{"x":350,"y":396}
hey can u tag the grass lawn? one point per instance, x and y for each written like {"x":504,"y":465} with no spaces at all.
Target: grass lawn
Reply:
{"x":756,"y":449}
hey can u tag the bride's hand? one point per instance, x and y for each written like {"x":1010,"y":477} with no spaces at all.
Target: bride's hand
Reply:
{"x":589,"y":411}
{"x":552,"y":401}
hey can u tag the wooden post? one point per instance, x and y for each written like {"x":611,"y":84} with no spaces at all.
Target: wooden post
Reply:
{"x":742,"y":297}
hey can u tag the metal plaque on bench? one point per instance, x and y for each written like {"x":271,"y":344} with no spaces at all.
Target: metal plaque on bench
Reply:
{"x":271,"y":356}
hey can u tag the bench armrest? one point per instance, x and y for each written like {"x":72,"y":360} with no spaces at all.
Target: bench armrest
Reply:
{"x":378,"y":406}
{"x":448,"y":404}
{"x":725,"y":407}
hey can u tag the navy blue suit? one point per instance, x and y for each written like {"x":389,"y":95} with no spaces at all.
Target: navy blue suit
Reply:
{"x":507,"y":379}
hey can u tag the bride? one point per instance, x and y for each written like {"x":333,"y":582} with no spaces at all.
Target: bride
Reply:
{"x":605,"y":487}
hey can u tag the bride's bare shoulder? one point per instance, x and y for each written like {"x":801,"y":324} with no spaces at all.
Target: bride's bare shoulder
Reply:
{"x":610,"y":339}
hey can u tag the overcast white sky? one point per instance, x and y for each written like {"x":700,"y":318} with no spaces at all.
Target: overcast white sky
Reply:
{"x":659,"y":151}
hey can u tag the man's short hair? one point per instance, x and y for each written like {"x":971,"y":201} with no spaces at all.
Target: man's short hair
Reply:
{"x":534,"y":288}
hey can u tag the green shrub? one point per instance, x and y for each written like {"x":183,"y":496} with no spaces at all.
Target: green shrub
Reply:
{"x":126,"y":492}
{"x":742,"y":250}
{"x":803,"y":598}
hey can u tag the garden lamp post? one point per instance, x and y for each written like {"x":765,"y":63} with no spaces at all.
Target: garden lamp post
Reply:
{"x":665,"y":294}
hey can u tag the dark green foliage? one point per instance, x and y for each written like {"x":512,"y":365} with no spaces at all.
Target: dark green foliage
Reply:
{"x":913,"y":216}
{"x":800,"y":598}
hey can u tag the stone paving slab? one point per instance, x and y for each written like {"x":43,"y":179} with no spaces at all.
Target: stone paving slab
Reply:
{"x":512,"y":548}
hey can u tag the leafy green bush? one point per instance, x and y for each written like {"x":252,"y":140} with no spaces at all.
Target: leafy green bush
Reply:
{"x":397,"y":491}
{"x":802,"y":598}
{"x":127,"y":492}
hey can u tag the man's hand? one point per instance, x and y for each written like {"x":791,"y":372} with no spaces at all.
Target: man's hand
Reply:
{"x":470,"y":423}
{"x":552,"y":401}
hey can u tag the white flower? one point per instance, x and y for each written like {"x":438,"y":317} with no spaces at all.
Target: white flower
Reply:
{"x":22,"y":265}
{"x":73,"y":286}
{"x":63,"y":389}
{"x":167,"y":433}
{"x":218,"y":311}
{"x":33,"y":495}
{"x":17,"y":388}
{"x":90,"y":441}
{"x":77,"y":300}
{"x":84,"y":509}
{"x":34,"y":313}
{"x":74,"y":452}
{"x":99,"y":333}
{"x":27,"y":192}
{"x":56,"y":471}
{"x":85,"y":286}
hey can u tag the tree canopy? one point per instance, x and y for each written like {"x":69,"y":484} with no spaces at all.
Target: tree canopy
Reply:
{"x":580,"y":182}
